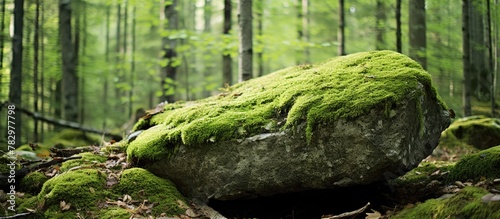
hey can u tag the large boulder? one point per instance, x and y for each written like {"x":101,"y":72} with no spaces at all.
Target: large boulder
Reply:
{"x":352,"y":120}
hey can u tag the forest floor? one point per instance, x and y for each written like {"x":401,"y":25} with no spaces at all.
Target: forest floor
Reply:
{"x":438,"y":188}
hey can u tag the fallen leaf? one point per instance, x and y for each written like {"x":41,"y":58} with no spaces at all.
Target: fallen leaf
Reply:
{"x":127,"y":198}
{"x":374,"y":215}
{"x":92,"y":190}
{"x":64,"y":206}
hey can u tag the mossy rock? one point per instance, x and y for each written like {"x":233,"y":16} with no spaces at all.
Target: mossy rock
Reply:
{"x":310,"y":94}
{"x":477,"y":131}
{"x":82,"y":189}
{"x":465,"y":204}
{"x":140,"y":184}
{"x":485,"y":163}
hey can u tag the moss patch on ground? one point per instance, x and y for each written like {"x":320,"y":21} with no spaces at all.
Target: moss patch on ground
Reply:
{"x":343,"y":87}
{"x":72,"y":138}
{"x":140,"y":184}
{"x":465,"y":204}
{"x":88,"y":159}
{"x":33,"y":182}
{"x":485,"y":163}
{"x":477,"y":131}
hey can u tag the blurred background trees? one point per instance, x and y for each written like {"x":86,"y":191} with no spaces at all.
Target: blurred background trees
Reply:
{"x":97,"y":61}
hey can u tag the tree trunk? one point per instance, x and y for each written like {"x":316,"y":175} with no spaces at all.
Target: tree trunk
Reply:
{"x":207,"y":28}
{"x":300,"y":33}
{"x":69,"y":77}
{"x":341,"y":29}
{"x":399,"y":44}
{"x":132,"y":62}
{"x":227,"y":75}
{"x":106,"y":70}
{"x":380,"y":19}
{"x":17,"y":67}
{"x":466,"y":58}
{"x":118,"y":60}
{"x":42,"y":70}
{"x":305,"y":29}
{"x":169,"y":71}
{"x":36,"y":46}
{"x":491,"y":59}
{"x":478,"y":54}
{"x":2,"y":34}
{"x":245,"y":61}
{"x":417,"y":33}
{"x":260,"y":33}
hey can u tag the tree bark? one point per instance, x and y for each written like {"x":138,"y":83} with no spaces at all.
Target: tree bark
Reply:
{"x":417,"y":32}
{"x":380,"y":19}
{"x":106,"y":71}
{"x":17,"y":66}
{"x":399,"y":42}
{"x":300,"y":33}
{"x":207,"y":28}
{"x":341,"y":29}
{"x":260,"y":31}
{"x":69,"y":77}
{"x":36,"y":47}
{"x":227,"y":74}
{"x":132,"y":62}
{"x":2,"y":34}
{"x":491,"y":59}
{"x":245,"y":61}
{"x":305,"y":29}
{"x":466,"y":95}
{"x":169,"y":72}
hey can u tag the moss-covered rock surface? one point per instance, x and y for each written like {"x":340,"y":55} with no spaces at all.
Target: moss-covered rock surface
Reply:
{"x":479,"y":132}
{"x":343,"y":87}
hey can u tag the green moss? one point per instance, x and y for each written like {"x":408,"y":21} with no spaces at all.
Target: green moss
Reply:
{"x":485,"y":163}
{"x":343,"y":87}
{"x":88,"y":159}
{"x":33,"y":182}
{"x":477,"y":131}
{"x":81,"y":188}
{"x":140,"y":184}
{"x":465,"y":204}
{"x":114,"y":213}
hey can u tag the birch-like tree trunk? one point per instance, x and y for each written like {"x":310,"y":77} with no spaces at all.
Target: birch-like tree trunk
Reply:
{"x":245,"y":61}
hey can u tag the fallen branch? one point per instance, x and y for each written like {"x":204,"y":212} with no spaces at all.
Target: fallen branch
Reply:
{"x":63,"y":123}
{"x":206,"y":211}
{"x":348,"y":214}
{"x":20,"y":215}
{"x":67,"y":152}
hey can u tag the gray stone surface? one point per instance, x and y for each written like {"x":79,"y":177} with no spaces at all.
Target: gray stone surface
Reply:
{"x":381,"y":144}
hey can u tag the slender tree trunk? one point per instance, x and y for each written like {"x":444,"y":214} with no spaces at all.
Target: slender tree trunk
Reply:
{"x":245,"y":61}
{"x":341,"y":29}
{"x":17,"y":67}
{"x":69,"y":77}
{"x":380,"y":19}
{"x":76,"y":43}
{"x":466,"y":58}
{"x":106,"y":70}
{"x":42,"y":70}
{"x":305,"y":29}
{"x":300,"y":33}
{"x":260,"y":32}
{"x":399,"y":42}
{"x":118,"y":63}
{"x":36,"y":48}
{"x":2,"y":34}
{"x":132,"y":62}
{"x":417,"y":27}
{"x":491,"y":59}
{"x":207,"y":28}
{"x":227,"y":75}
{"x":169,"y":72}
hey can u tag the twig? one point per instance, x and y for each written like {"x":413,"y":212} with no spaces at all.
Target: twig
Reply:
{"x":348,"y":214}
{"x":20,"y":215}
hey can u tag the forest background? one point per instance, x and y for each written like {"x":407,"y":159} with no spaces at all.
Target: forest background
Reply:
{"x":95,"y":62}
